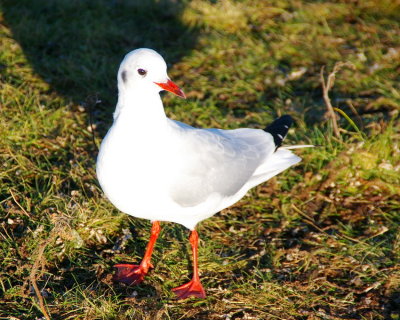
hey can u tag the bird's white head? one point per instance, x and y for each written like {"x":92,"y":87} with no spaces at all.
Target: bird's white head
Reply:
{"x":145,"y":70}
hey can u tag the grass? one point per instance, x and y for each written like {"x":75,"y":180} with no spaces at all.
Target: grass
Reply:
{"x":320,"y":241}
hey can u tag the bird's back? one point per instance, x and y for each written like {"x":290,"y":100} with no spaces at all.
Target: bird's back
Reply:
{"x":214,"y":161}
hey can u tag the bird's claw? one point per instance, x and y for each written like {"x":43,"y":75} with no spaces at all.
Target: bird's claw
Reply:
{"x":130,"y":274}
{"x":191,"y":289}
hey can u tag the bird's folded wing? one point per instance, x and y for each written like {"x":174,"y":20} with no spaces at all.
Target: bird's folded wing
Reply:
{"x":216,"y":161}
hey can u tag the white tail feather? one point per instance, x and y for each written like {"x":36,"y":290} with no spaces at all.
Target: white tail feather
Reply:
{"x":299,"y":146}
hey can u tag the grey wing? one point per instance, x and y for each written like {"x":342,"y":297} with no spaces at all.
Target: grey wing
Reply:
{"x":217,"y":161}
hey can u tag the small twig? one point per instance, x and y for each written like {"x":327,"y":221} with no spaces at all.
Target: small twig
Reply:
{"x":326,"y":87}
{"x":325,"y":91}
{"x":309,"y":220}
{"x":60,"y":229}
{"x":33,"y":276}
{"x":19,"y":205}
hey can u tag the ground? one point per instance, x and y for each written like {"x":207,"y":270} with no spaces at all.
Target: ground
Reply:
{"x":319,"y":241}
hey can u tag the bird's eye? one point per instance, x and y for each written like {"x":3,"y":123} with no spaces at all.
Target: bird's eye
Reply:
{"x":142,"y":72}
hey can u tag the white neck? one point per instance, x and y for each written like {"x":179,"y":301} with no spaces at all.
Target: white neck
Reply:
{"x":139,"y":107}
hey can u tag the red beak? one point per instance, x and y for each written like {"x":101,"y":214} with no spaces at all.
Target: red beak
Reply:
{"x":172,"y":87}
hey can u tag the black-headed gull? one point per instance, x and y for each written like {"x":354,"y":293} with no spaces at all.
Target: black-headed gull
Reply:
{"x":159,"y":169}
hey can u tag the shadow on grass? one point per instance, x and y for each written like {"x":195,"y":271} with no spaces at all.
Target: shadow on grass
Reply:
{"x":77,"y":46}
{"x":392,"y":306}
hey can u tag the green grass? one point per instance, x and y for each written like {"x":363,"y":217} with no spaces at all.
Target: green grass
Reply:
{"x":320,"y":241}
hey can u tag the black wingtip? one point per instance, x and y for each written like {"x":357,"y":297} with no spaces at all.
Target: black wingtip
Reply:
{"x":279,"y":129}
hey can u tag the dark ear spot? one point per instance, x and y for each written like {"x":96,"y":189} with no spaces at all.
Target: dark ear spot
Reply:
{"x":123,"y":76}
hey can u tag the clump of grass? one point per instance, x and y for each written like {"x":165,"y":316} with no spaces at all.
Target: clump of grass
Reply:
{"x":226,"y":15}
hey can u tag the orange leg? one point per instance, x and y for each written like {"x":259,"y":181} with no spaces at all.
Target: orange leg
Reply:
{"x":134,"y":274}
{"x":193,"y":288}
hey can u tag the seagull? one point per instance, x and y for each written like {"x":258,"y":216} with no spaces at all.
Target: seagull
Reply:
{"x":159,"y":169}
